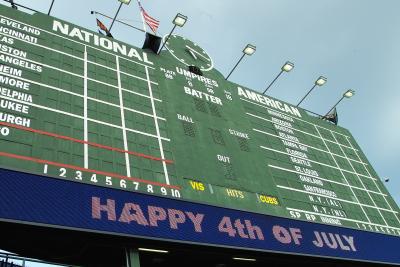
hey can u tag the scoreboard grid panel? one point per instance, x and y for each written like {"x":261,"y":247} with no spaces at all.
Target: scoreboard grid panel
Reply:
{"x":363,"y":185}
{"x":342,"y":169}
{"x":80,"y":93}
{"x":84,"y":81}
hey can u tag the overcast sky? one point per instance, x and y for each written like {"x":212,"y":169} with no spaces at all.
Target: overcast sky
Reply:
{"x":354,"y":43}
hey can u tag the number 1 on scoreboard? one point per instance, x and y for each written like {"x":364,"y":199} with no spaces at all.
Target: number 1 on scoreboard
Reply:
{"x":45,"y":168}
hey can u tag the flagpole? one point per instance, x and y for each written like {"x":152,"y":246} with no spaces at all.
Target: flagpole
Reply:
{"x":141,"y":14}
{"x":116,"y":14}
{"x":126,"y":24}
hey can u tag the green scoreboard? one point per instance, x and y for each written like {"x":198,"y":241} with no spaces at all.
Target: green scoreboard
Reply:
{"x":87,"y":109}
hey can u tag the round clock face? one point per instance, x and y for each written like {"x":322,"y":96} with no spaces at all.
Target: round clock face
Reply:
{"x":188,"y":52}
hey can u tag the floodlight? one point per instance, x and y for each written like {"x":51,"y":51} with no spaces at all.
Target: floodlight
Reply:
{"x":288,"y":66}
{"x":249,"y":49}
{"x":349,"y":93}
{"x":321,"y":81}
{"x":180,"y":20}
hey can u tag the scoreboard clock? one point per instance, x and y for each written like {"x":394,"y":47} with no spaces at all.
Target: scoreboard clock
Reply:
{"x":188,"y":52}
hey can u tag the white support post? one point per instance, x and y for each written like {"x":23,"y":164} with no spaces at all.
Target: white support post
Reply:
{"x":121,"y":103}
{"x":141,"y":14}
{"x":157,"y":128}
{"x":85,"y":111}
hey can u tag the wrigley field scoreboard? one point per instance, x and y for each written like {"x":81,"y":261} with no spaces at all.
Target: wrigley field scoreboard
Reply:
{"x":100,"y":136}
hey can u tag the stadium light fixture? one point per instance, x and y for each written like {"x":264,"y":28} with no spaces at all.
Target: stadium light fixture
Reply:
{"x":319,"y":82}
{"x":244,"y":259}
{"x":126,"y":2}
{"x":153,"y":250}
{"x":348,"y":94}
{"x":179,"y":21}
{"x":248,"y":50}
{"x":287,"y":67}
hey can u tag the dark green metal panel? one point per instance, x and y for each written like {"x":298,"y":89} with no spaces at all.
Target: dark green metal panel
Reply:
{"x":76,"y":105}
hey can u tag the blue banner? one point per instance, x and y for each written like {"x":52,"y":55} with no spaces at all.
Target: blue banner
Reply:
{"x":37,"y":199}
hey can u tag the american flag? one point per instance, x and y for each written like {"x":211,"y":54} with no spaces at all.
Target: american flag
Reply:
{"x":152,"y":22}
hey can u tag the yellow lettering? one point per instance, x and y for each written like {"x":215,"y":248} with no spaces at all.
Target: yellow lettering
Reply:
{"x":269,"y":200}
{"x":235,"y":193}
{"x":201,"y":187}
{"x":197,"y":186}
{"x":229,"y":192}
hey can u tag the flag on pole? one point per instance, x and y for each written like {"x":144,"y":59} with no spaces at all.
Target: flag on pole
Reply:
{"x":332,"y":116}
{"x":103,"y":28}
{"x":152,"y":22}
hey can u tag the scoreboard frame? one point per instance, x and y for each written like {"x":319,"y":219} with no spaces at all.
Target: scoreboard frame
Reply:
{"x":107,"y":197}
